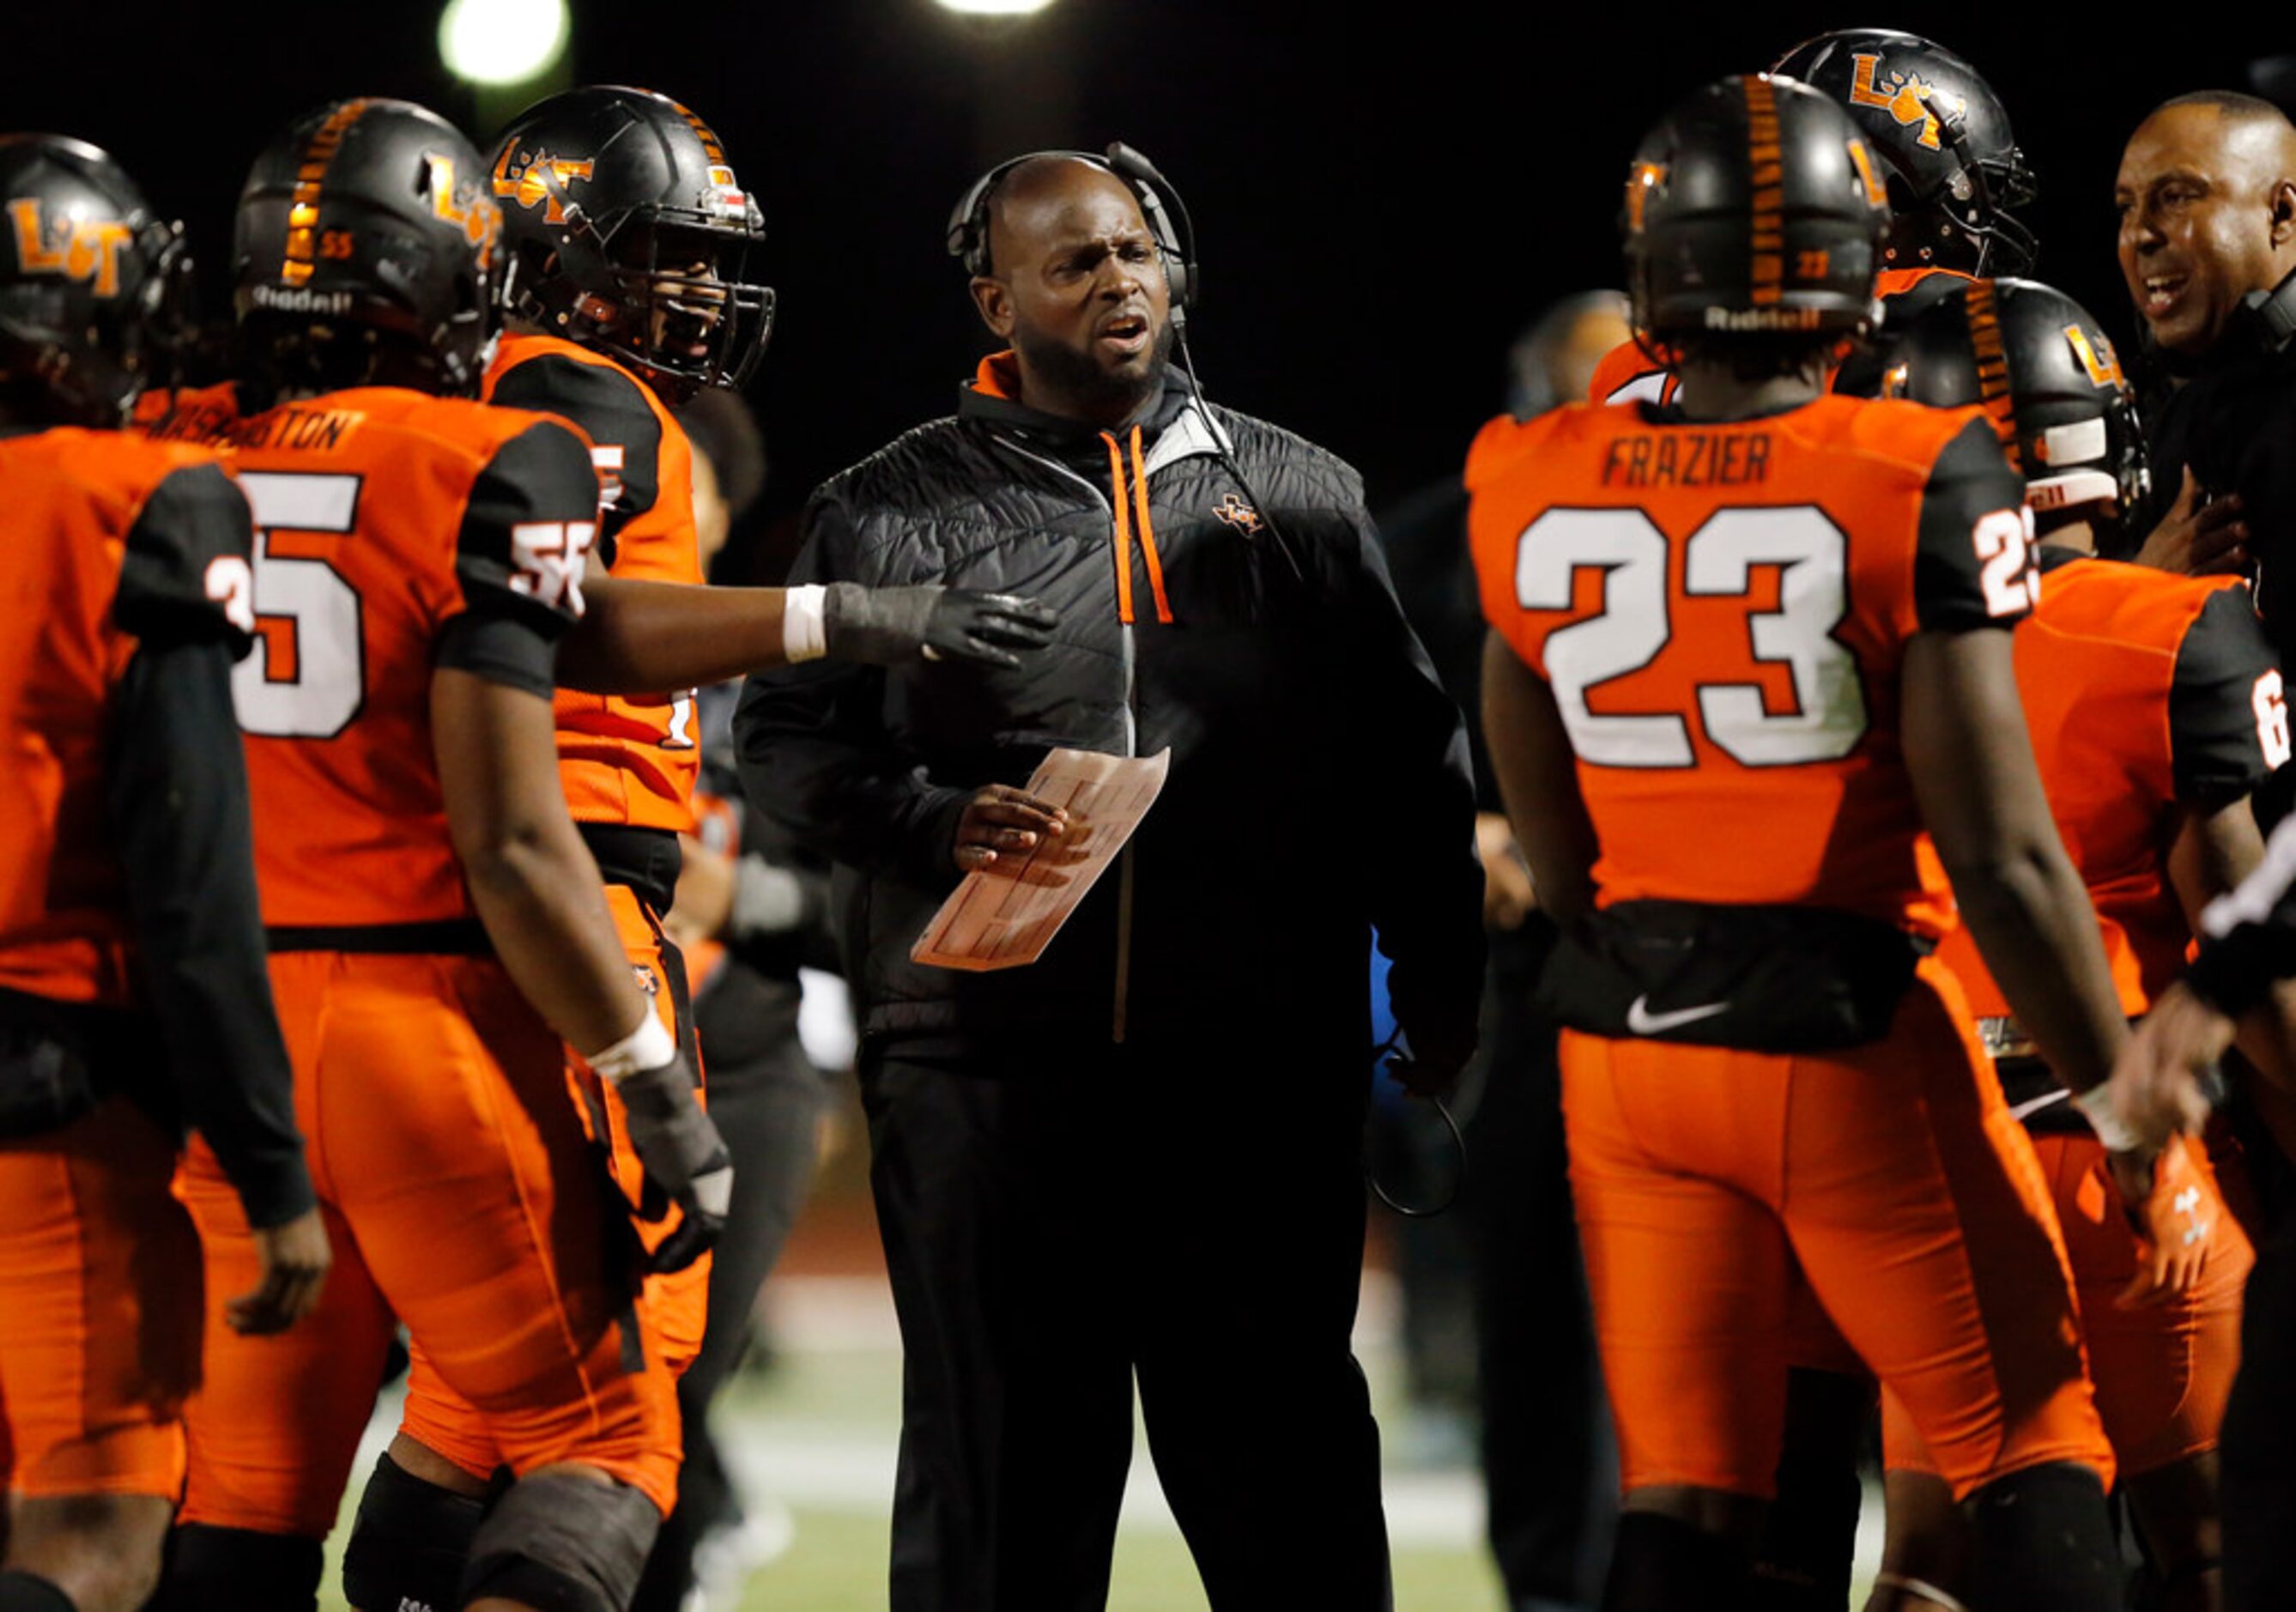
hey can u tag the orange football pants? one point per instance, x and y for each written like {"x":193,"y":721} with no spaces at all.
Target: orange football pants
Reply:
{"x":464,"y":1199}
{"x":100,"y":1301}
{"x":678,"y":1304}
{"x":2162,"y":1373}
{"x":1892,"y":1177}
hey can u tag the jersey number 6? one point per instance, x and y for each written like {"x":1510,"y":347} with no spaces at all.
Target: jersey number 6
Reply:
{"x":1633,"y":628}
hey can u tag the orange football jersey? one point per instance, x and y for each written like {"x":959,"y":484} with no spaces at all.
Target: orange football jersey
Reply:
{"x":395,"y":532}
{"x":111,"y":539}
{"x":630,"y":759}
{"x":2145,"y":693}
{"x":1721,"y":611}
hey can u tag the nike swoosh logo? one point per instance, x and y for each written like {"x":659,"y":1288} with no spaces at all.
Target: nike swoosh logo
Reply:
{"x":1641,"y":1021}
{"x":2031,"y":1106}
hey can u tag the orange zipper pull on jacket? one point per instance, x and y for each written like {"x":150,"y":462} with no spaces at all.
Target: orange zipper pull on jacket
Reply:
{"x":1123,"y":537}
{"x":1148,"y":532}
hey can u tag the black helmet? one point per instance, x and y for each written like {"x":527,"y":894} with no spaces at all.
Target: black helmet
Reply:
{"x":2048,"y":372}
{"x":95,"y":288}
{"x":1753,"y":209}
{"x":368,"y":248}
{"x":1955,"y":169}
{"x":611,"y":197}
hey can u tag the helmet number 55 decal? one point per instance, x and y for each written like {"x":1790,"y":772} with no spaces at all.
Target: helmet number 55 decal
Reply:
{"x":1634,"y":629}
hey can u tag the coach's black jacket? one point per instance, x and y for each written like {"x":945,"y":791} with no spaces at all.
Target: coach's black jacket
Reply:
{"x":1318,"y":780}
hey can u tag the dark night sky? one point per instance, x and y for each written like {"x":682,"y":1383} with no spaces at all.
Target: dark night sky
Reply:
{"x":1380,"y":208}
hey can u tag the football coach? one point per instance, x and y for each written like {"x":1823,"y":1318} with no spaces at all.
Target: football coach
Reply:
{"x":1138,"y":1158}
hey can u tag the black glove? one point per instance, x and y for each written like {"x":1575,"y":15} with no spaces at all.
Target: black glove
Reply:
{"x":894,"y":626}
{"x":684,"y":1158}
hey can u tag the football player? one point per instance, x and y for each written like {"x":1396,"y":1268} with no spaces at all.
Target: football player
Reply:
{"x":1953,"y":171}
{"x":132,"y":987}
{"x":1749,"y":697}
{"x":631,"y":240}
{"x":435,"y":923}
{"x":2156,"y":708}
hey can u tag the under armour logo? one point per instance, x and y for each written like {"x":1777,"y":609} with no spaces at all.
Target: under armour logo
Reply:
{"x":646,"y":982}
{"x":1238,"y":514}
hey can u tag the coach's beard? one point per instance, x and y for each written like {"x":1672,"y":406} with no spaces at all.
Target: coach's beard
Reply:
{"x":1118,"y":392}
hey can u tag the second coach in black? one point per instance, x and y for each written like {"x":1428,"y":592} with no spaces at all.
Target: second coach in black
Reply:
{"x":1140,"y":1157}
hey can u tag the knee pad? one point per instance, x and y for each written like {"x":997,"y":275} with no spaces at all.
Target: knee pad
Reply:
{"x":2045,"y":1541}
{"x":562,"y":1543}
{"x":1660,"y":1564}
{"x":410,"y":1544}
{"x":210,"y":1567}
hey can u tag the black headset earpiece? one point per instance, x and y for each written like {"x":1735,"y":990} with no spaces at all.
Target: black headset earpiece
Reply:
{"x":1160,"y":207}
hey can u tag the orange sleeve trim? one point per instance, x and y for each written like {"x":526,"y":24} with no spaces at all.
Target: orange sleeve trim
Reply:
{"x":1148,"y":531}
{"x":1123,"y":537}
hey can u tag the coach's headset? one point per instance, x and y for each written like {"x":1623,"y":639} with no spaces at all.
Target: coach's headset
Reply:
{"x":1175,"y":233}
{"x":1160,"y":206}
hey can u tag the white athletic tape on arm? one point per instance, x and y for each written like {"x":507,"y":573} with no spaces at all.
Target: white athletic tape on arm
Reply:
{"x":2097,"y":1103}
{"x":648,"y":1046}
{"x":805,"y":634}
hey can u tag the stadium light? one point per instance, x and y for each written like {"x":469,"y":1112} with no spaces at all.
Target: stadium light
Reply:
{"x":502,"y":42}
{"x":996,"y":8}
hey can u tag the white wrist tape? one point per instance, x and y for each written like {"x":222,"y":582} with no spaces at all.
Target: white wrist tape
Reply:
{"x":2097,"y":1103}
{"x":805,"y":634}
{"x":648,"y":1046}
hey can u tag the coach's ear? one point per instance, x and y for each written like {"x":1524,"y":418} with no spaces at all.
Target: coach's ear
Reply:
{"x":993,"y":298}
{"x":2284,"y":212}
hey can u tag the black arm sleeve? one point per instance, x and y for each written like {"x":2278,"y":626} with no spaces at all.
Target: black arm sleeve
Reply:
{"x":176,"y":789}
{"x":609,"y":405}
{"x":1969,"y":482}
{"x":815,"y":756}
{"x":519,"y":560}
{"x":185,"y":574}
{"x":2216,"y":730}
{"x":1426,"y":888}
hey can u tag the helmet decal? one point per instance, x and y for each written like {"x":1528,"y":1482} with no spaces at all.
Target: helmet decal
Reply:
{"x":1765,"y":237}
{"x":1905,"y":97}
{"x":83,"y":249}
{"x":536,"y":178}
{"x":303,"y":212}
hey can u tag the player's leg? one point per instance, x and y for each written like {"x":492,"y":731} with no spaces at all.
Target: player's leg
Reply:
{"x":418,"y":1516}
{"x":1925,"y":1545}
{"x":500,"y":1260}
{"x":100,"y":1289}
{"x":1925,"y":1228}
{"x":2162,"y":1372}
{"x":1001,"y":1240}
{"x":275,"y":1425}
{"x":1690,"y":1278}
{"x":1233,"y":1335}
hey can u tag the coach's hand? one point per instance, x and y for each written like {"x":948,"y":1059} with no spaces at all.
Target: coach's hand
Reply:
{"x":295,"y":1258}
{"x":2197,"y":540}
{"x":894,"y":626}
{"x":2172,"y":1207}
{"x":684,"y":1158}
{"x":1002,"y":821}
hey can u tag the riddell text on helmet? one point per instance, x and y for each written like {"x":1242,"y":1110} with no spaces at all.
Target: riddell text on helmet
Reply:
{"x":299,"y":300}
{"x":1762,"y":318}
